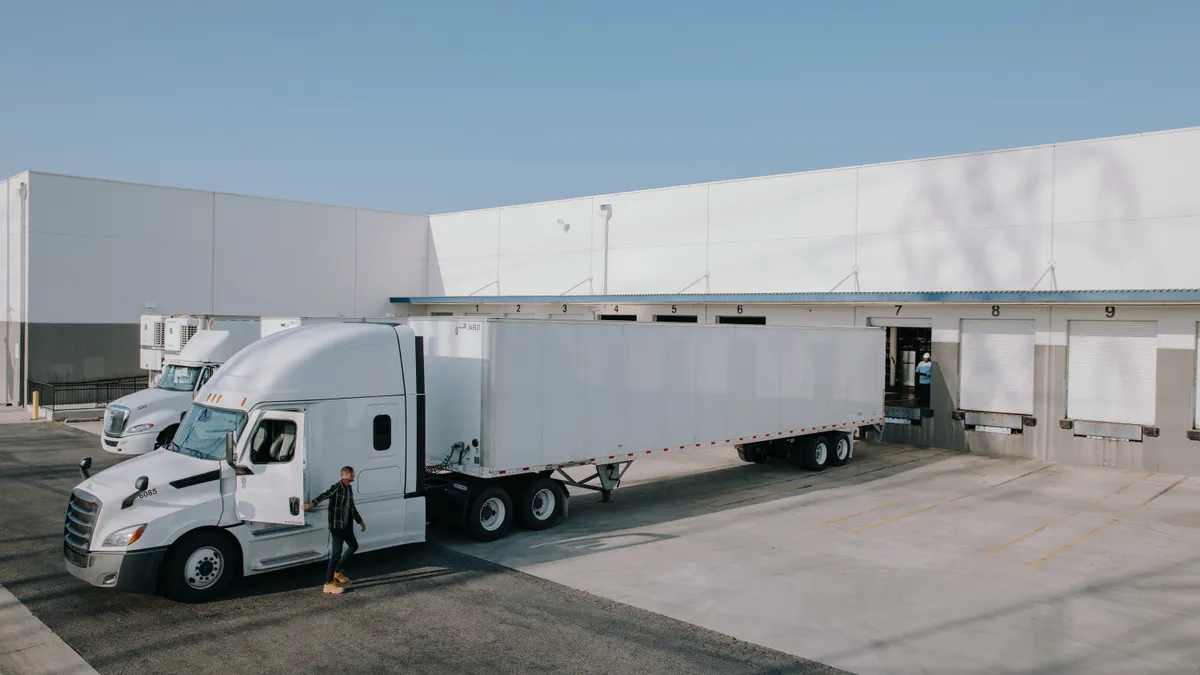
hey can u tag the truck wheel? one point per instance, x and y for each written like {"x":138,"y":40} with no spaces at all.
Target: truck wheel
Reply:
{"x":839,"y":445}
{"x":541,"y":504}
{"x":166,"y":436}
{"x":815,"y":455}
{"x":490,"y":514}
{"x":200,"y":567}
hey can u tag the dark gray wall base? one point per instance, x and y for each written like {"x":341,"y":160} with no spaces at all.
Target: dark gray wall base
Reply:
{"x":83,"y":351}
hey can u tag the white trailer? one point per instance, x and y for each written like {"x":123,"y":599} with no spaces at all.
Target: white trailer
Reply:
{"x":509,"y":397}
{"x":460,"y":422}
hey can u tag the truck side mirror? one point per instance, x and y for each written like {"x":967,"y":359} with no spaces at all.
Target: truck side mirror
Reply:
{"x":84,"y":465}
{"x":139,"y":486}
{"x":231,"y":460}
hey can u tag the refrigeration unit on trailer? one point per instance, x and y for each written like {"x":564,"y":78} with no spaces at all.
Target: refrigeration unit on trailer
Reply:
{"x":467,"y":422}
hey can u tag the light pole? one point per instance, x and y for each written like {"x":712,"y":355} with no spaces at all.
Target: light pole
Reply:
{"x":606,"y":210}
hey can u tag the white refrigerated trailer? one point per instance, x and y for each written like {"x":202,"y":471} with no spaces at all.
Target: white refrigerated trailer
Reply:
{"x":509,"y":397}
{"x":466,"y":422}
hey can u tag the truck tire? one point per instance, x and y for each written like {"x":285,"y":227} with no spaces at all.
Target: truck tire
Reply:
{"x":815,"y":454}
{"x":541,"y":504}
{"x":839,"y":449}
{"x":200,"y":566}
{"x":490,"y":514}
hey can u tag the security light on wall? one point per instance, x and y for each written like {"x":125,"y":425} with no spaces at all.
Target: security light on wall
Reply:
{"x":565,"y":225}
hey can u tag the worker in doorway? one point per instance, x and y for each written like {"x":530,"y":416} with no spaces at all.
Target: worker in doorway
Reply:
{"x":341,"y":514}
{"x":924,"y":380}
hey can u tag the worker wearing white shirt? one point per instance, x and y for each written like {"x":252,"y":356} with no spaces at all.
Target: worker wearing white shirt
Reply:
{"x":924,"y":380}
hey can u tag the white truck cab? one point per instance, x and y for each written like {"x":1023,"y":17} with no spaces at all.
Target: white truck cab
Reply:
{"x":269,"y":431}
{"x":141,"y":422}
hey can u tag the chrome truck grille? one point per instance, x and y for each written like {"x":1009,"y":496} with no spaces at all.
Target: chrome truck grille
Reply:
{"x":82,"y":511}
{"x":115,"y":417}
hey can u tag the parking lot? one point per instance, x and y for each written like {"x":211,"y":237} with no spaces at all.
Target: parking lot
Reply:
{"x":905,"y":560}
{"x":420,"y":609}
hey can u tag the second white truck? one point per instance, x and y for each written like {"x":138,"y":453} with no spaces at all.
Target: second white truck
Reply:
{"x":469,"y":423}
{"x":146,"y":420}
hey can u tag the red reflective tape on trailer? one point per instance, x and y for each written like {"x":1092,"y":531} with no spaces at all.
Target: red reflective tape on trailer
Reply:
{"x":612,"y":456}
{"x":502,"y":471}
{"x":728,"y":441}
{"x":649,"y":451}
{"x":713,"y":443}
{"x":525,"y":469}
{"x":697,"y":445}
{"x":631,"y":454}
{"x":560,"y":466}
{"x":682,"y":447}
{"x":754,"y":437}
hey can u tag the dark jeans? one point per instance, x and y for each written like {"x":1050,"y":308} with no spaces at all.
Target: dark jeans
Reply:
{"x":923,"y":393}
{"x":337,"y":560}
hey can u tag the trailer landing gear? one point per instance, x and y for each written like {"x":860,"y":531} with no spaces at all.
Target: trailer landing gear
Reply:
{"x":609,"y":475}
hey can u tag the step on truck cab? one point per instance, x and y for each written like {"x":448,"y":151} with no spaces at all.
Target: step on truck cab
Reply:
{"x":511,"y":411}
{"x":148,"y":419}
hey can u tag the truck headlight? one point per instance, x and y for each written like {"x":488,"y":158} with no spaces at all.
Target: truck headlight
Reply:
{"x":139,"y":428}
{"x":126,"y":536}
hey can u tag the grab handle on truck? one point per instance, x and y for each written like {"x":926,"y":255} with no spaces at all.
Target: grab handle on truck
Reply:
{"x":84,"y":465}
{"x":231,"y":460}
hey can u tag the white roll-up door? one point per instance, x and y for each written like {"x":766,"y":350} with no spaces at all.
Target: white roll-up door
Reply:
{"x":996,"y":366}
{"x":1196,"y":391}
{"x":1112,"y":371}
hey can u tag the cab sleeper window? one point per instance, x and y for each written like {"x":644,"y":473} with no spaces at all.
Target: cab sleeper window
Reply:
{"x":273,"y":442}
{"x":381,"y":432}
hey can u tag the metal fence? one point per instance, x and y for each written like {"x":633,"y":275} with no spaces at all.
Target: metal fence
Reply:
{"x":85,"y":395}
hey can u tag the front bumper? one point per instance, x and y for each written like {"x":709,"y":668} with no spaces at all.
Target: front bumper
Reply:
{"x":131,"y":571}
{"x":134,"y":444}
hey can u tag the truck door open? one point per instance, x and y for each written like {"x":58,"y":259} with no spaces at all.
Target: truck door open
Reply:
{"x":273,"y":490}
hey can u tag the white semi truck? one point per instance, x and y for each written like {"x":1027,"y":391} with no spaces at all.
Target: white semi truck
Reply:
{"x":468,"y":423}
{"x":148,"y":419}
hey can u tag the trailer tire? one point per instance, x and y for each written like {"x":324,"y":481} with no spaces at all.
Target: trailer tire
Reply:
{"x":815,"y":455}
{"x":490,"y":514}
{"x":839,"y":449}
{"x":200,"y":566}
{"x":541,"y":504}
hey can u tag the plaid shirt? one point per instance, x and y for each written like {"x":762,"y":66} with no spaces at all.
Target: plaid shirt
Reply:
{"x":341,"y":506}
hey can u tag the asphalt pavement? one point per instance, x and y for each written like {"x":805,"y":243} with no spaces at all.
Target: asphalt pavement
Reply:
{"x":416,"y":609}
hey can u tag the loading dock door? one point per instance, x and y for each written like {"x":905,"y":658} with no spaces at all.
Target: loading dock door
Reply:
{"x":1112,"y":369}
{"x":1196,"y":391}
{"x":996,"y":366}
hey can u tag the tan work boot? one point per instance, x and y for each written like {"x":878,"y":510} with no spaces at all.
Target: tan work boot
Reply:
{"x":340,"y":577}
{"x":333,"y":589}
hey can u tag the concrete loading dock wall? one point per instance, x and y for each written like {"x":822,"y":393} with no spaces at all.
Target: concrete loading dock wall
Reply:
{"x":1173,"y":382}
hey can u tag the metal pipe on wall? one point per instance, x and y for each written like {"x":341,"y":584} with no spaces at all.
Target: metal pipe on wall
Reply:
{"x":23,"y":193}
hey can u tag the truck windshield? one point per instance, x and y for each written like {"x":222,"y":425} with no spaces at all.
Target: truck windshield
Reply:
{"x":202,"y":433}
{"x":179,"y":378}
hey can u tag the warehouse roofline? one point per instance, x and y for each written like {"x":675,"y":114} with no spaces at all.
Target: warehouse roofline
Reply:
{"x":882,"y":297}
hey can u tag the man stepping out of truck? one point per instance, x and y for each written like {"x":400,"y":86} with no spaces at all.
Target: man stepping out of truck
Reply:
{"x":341,"y":513}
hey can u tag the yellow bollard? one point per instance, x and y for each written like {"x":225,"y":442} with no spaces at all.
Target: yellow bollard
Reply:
{"x":37,"y":399}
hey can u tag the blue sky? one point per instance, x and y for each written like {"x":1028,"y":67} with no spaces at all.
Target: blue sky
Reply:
{"x":442,"y":106}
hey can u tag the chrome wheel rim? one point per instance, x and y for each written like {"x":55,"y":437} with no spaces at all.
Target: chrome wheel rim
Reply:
{"x":491,"y":515}
{"x":543,"y":503}
{"x":203,"y":568}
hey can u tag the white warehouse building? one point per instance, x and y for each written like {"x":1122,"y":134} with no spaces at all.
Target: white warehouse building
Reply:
{"x":1052,"y":286}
